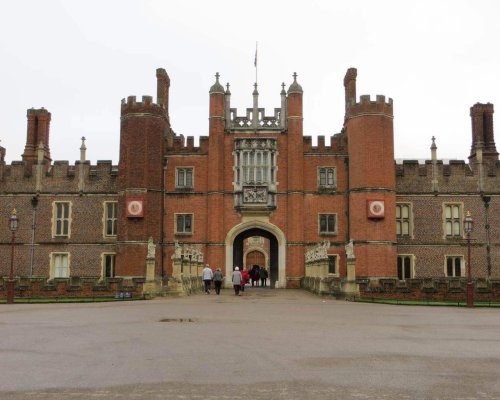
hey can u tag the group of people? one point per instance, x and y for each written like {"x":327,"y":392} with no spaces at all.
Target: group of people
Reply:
{"x":239,"y":278}
{"x":209,"y":276}
{"x":258,"y":274}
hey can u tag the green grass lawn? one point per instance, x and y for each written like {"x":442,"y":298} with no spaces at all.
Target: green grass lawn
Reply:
{"x":450,"y":303}
{"x":25,"y":300}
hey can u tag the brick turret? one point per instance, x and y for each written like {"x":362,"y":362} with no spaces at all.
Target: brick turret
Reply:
{"x":295,"y":179}
{"x":37,"y":132}
{"x":215,"y":171}
{"x":142,"y":147}
{"x":369,"y":128}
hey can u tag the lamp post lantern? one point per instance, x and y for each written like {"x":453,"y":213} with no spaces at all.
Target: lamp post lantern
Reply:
{"x":13,"y":222}
{"x":468,"y":226}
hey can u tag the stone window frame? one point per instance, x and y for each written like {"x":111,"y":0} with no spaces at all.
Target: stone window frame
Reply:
{"x":412,"y":266}
{"x":409,"y":219}
{"x":460,"y":206}
{"x":103,"y":264}
{"x":246,"y":163}
{"x":106,"y":218}
{"x":327,"y":233}
{"x":52,"y":258}
{"x":183,"y":233}
{"x":462,"y":265}
{"x":55,"y":219}
{"x":327,"y":185}
{"x":184,"y":186}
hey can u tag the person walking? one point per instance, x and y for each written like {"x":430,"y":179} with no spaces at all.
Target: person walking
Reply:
{"x":254,"y":274}
{"x":207,"y":278}
{"x":218,"y":278}
{"x":263,"y":276}
{"x":236,"y":278}
{"x":245,"y":277}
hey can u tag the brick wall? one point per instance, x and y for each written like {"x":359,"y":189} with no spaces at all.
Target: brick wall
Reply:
{"x":428,"y":289}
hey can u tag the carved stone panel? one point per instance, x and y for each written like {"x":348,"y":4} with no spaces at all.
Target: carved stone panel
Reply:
{"x":255,"y":195}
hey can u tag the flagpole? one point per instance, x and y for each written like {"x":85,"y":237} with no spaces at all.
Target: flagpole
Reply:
{"x":255,"y":61}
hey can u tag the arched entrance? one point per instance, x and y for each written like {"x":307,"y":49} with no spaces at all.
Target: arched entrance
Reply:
{"x":277,"y":253}
{"x":273,"y":250}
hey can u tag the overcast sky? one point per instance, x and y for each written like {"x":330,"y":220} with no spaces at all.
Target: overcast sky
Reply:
{"x":78,"y":59}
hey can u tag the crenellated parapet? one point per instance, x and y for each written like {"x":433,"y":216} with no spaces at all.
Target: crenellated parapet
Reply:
{"x":145,"y":108}
{"x":452,"y":176}
{"x":61,"y":176}
{"x":366,"y":106}
{"x":181,"y":144}
{"x":263,"y":121}
{"x":255,"y":118}
{"x":337,"y":145}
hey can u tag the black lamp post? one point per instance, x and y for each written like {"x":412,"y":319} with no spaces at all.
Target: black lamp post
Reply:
{"x":468,"y":225}
{"x":13,"y":221}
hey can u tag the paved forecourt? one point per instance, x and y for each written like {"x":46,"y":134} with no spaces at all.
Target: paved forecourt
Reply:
{"x":266,"y":344}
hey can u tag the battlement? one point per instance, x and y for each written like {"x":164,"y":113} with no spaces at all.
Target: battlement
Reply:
{"x":146,"y":106}
{"x":337,"y":144}
{"x":61,"y":176}
{"x":180,"y":144}
{"x":452,"y":167}
{"x":367,"y":106}
{"x":452,"y":176}
{"x":263,"y":121}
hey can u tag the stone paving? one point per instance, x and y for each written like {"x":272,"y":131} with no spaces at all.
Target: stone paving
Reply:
{"x":266,"y":344}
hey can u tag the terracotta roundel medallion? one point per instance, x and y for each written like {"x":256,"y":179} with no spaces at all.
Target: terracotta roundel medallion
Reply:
{"x":376,"y":208}
{"x":135,"y":208}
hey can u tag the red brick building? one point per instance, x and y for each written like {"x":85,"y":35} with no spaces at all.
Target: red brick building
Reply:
{"x":254,"y":178}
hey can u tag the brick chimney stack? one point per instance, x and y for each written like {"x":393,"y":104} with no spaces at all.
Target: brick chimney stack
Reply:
{"x":482,"y":132}
{"x":38,"y":131}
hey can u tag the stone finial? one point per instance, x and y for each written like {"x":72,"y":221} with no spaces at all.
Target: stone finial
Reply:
{"x":227,"y":88}
{"x":433,"y":146}
{"x":83,"y":147}
{"x":283,"y":92}
{"x":217,"y":87}
{"x":255,"y":91}
{"x":295,"y":87}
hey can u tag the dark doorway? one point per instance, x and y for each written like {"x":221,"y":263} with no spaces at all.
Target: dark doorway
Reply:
{"x":273,"y":251}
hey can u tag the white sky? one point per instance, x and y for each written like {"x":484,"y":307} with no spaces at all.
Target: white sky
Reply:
{"x":78,"y":59}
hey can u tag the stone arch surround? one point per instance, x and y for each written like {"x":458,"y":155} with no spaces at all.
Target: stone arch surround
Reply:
{"x":265,"y":226}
